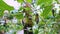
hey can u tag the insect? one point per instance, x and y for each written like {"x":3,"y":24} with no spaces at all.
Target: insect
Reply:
{"x":53,"y":12}
{"x":37,"y":18}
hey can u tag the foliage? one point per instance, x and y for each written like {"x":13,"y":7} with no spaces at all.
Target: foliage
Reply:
{"x":10,"y":26}
{"x":47,"y":24}
{"x":4,"y":6}
{"x":21,"y":1}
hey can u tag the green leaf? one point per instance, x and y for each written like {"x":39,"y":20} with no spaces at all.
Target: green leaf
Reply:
{"x":4,"y":6}
{"x":47,"y":11}
{"x":21,"y":1}
{"x":44,"y":2}
{"x":29,"y":1}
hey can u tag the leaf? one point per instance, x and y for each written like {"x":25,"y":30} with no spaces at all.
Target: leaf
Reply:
{"x":47,"y":11}
{"x":4,"y":6}
{"x":21,"y":1}
{"x":29,"y":1}
{"x":43,"y":2}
